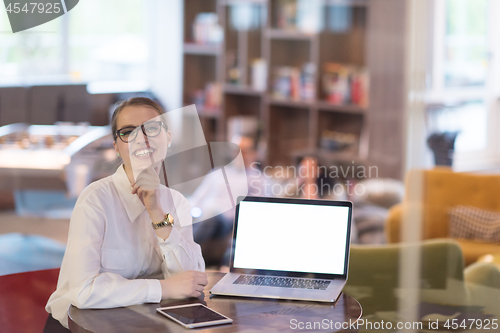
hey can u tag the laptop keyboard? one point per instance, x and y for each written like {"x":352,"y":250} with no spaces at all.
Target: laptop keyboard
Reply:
{"x":285,"y":282}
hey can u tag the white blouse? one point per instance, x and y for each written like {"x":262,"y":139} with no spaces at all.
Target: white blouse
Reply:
{"x":113,"y":257}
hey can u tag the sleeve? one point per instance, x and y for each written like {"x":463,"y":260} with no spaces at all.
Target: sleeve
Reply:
{"x":179,"y":251}
{"x":88,"y":286}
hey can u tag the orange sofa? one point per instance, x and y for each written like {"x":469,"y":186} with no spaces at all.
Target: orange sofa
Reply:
{"x":442,"y":189}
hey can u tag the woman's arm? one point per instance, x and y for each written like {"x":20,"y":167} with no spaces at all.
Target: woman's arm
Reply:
{"x":87,"y":264}
{"x":180,"y":252}
{"x":88,"y":287}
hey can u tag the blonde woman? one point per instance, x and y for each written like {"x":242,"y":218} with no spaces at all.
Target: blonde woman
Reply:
{"x":124,"y":247}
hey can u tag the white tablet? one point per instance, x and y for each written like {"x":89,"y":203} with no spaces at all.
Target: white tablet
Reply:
{"x":194,"y":315}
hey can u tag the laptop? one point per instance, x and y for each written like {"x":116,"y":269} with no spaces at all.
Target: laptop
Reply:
{"x":288,"y":249}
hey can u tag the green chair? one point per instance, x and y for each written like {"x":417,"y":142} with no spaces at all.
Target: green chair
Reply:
{"x":374,"y":275}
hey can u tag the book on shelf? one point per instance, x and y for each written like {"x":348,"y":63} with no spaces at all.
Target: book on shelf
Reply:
{"x":301,"y":15}
{"x":287,"y":14}
{"x":206,"y":29}
{"x":337,"y":141}
{"x":245,"y":16}
{"x":294,"y":83}
{"x":208,"y":99}
{"x":345,"y":84}
{"x":232,"y":67}
{"x":259,"y":74}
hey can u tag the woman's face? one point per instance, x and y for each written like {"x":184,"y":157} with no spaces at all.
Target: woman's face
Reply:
{"x":140,"y":153}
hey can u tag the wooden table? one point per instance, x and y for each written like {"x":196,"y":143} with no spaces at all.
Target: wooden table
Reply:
{"x":248,"y":314}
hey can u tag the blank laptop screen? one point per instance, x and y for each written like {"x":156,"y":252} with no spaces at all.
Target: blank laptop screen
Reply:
{"x":291,"y":237}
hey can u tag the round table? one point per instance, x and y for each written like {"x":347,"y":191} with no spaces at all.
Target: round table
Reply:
{"x":248,"y":314}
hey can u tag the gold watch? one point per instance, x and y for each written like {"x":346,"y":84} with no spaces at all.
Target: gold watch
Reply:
{"x":167,"y":221}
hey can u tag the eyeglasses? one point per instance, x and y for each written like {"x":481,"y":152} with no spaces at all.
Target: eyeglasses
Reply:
{"x":150,"y":129}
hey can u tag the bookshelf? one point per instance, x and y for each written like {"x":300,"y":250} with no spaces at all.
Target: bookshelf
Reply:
{"x":297,"y":119}
{"x":197,"y":49}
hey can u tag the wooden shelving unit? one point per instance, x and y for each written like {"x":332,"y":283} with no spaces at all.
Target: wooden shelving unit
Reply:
{"x":348,"y":108}
{"x":199,"y":49}
{"x":291,"y":127}
{"x":288,"y":34}
{"x":241,"y":90}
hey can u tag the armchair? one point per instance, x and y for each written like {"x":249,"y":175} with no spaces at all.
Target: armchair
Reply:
{"x":442,"y":190}
{"x":374,"y":276}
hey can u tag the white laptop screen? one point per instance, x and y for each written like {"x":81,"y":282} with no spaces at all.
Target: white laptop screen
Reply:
{"x":291,"y":237}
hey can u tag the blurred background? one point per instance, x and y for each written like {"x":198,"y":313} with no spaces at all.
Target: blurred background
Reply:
{"x":381,"y":102}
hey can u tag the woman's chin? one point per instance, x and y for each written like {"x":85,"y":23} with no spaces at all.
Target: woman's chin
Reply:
{"x":138,"y":165}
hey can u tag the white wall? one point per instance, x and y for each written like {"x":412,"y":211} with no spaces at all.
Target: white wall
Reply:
{"x":165,"y":33}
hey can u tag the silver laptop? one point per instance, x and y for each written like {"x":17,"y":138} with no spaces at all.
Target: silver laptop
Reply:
{"x":288,"y":249}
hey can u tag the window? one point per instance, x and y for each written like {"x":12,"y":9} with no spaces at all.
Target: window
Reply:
{"x":97,"y":40}
{"x":464,"y":79}
{"x":36,"y":53}
{"x":108,"y":41}
{"x":466,"y":44}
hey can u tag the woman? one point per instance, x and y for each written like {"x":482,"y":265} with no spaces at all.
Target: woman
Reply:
{"x":122,"y":247}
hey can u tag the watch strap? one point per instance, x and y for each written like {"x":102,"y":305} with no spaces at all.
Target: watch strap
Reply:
{"x":167,"y":221}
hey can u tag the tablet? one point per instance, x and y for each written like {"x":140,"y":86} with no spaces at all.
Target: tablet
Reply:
{"x":194,"y":315}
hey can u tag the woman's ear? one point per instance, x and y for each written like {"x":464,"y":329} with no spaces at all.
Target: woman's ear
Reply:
{"x":169,"y":139}
{"x":116,"y":149}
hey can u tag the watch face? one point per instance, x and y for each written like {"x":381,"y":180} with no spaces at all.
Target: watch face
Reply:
{"x":170,"y":218}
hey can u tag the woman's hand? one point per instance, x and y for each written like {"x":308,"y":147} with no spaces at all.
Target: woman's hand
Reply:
{"x":186,"y":284}
{"x":146,"y":187}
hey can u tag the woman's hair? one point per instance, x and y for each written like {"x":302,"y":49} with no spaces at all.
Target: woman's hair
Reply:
{"x":134,"y":101}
